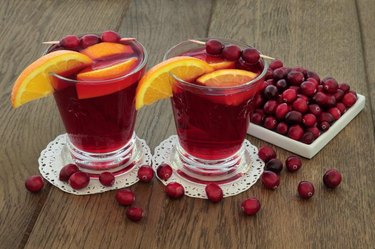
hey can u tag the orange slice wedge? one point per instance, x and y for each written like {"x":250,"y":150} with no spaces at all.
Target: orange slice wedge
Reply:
{"x":35,"y":81}
{"x":226,"y":77}
{"x":104,"y":49}
{"x":156,"y":83}
{"x":216,"y":62}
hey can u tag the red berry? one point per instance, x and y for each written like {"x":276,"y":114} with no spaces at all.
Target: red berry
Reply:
{"x":324,"y":126}
{"x":280,"y":73}
{"x":125,"y":197}
{"x":332,"y":178}
{"x":256,"y":118}
{"x":289,"y":95}
{"x":339,"y":95}
{"x":281,"y":85}
{"x":344,"y":87}
{"x":331,"y":101}
{"x":270,"y":92}
{"x":231,"y":52}
{"x":164,"y":171}
{"x":174,"y":190}
{"x":309,"y":120}
{"x":266,"y":153}
{"x":300,"y":105}
{"x":282,"y":128}
{"x":308,"y":88}
{"x":270,"y":180}
{"x":311,"y":74}
{"x":214,"y":47}
{"x":70,"y":42}
{"x":270,"y":123}
{"x":145,"y":173}
{"x":308,"y":137}
{"x":134,"y":213}
{"x":295,"y":77}
{"x":281,"y":110}
{"x":314,"y":81}
{"x":295,"y":132}
{"x":326,"y":116}
{"x":263,"y":85}
{"x":293,"y":163}
{"x":315,"y":131}
{"x":293,"y":117}
{"x":269,"y":74}
{"x":270,"y":107}
{"x":79,"y":180}
{"x":214,"y":192}
{"x":306,"y":189}
{"x":274,"y":165}
{"x":67,"y":171}
{"x":250,"y":206}
{"x":320,"y":98}
{"x":34,"y":183}
{"x":341,"y":107}
{"x":258,"y":100}
{"x":329,"y":85}
{"x":107,"y":179}
{"x":89,"y":40}
{"x":349,"y":99}
{"x":110,"y":36}
{"x":315,"y":109}
{"x":250,"y":55}
{"x":276,"y":64}
{"x":335,"y":112}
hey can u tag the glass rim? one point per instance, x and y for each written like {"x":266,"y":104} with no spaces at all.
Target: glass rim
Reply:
{"x":210,"y":88}
{"x":136,"y":70}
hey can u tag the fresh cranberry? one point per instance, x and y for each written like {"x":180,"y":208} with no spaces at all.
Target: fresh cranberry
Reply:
{"x":270,"y":123}
{"x":315,"y":109}
{"x":270,"y":180}
{"x":349,"y":99}
{"x":276,"y":64}
{"x":282,"y":128}
{"x":34,"y":183}
{"x":289,"y":95}
{"x":293,"y":117}
{"x":266,"y":153}
{"x":134,"y":213}
{"x":79,"y":180}
{"x":67,"y":171}
{"x":270,"y":92}
{"x":326,"y":116}
{"x":214,"y":192}
{"x":315,"y":131}
{"x":269,"y":74}
{"x":270,"y":106}
{"x":256,"y":118}
{"x":353,"y":92}
{"x":250,"y":55}
{"x":263,"y":85}
{"x":107,"y":179}
{"x":339,"y":95}
{"x":341,"y":107}
{"x":293,"y":163}
{"x":174,"y":190}
{"x":335,"y":112}
{"x":281,"y":110}
{"x":295,"y":132}
{"x":281,"y":85}
{"x":145,"y":173}
{"x":110,"y":36}
{"x":309,"y":120}
{"x":125,"y":197}
{"x":314,"y":81}
{"x":295,"y":77}
{"x":330,"y":85}
{"x":324,"y":126}
{"x":258,"y":100}
{"x":344,"y":87}
{"x":300,"y":105}
{"x":308,"y":88}
{"x":306,"y":189}
{"x":300,"y":69}
{"x":261,"y":112}
{"x":70,"y":42}
{"x":308,"y":137}
{"x":214,"y":47}
{"x":332,"y":178}
{"x":164,"y":171}
{"x":320,"y":98}
{"x":89,"y":40}
{"x":280,"y":73}
{"x":270,"y":82}
{"x":274,"y":165}
{"x":331,"y":101}
{"x":250,"y":206}
{"x":311,"y":74}
{"x":231,"y":52}
{"x":319,"y":88}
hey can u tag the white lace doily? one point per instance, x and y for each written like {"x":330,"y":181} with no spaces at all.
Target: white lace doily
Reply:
{"x":56,"y":155}
{"x":162,"y":154}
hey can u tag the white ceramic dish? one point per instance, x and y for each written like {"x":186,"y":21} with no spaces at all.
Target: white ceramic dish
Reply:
{"x":308,"y":150}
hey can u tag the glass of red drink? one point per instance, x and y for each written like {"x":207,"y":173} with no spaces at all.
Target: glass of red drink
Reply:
{"x":212,"y":122}
{"x":99,"y":112}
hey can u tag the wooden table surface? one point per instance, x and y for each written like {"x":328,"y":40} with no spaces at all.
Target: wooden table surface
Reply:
{"x":331,"y":37}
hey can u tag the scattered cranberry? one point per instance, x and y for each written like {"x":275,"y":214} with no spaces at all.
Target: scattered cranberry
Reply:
{"x":320,"y":98}
{"x":269,"y":74}
{"x":295,"y":77}
{"x":280,"y":73}
{"x":89,"y":40}
{"x":145,"y":173}
{"x":281,"y":110}
{"x":335,"y":112}
{"x":306,"y":189}
{"x":289,"y":95}
{"x":315,"y":131}
{"x":79,"y":180}
{"x":270,"y":92}
{"x":326,"y":116}
{"x":295,"y":132}
{"x":250,"y":206}
{"x":282,"y":128}
{"x":174,"y":190}
{"x":270,"y":106}
{"x":250,"y":55}
{"x":281,"y":85}
{"x":314,"y":81}
{"x":293,"y":117}
{"x":125,"y":197}
{"x":311,"y":74}
{"x":34,"y":183}
{"x":70,"y":42}
{"x":341,"y":107}
{"x":332,"y":178}
{"x":331,"y":101}
{"x":214,"y":47}
{"x":349,"y":99}
{"x":164,"y":171}
{"x":308,"y":88}
{"x":319,"y":88}
{"x":308,"y":137}
{"x":270,"y":180}
{"x":276,"y":64}
{"x":315,"y":109}
{"x":274,"y":165}
{"x":339,"y":95}
{"x":300,"y":105}
{"x":329,"y":85}
{"x":256,"y":118}
{"x":270,"y":123}
{"x":293,"y":163}
{"x":134,"y":213}
{"x":344,"y":87}
{"x":67,"y":171}
{"x":309,"y":120}
{"x":231,"y":52}
{"x":266,"y":153}
{"x":107,"y":179}
{"x":324,"y":126}
{"x":110,"y":36}
{"x":214,"y":192}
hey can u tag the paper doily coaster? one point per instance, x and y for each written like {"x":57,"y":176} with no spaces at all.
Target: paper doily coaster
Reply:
{"x":56,"y":155}
{"x":163,"y":152}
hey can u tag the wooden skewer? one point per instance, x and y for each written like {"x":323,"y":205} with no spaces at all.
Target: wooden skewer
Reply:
{"x":262,"y":55}
{"x":57,"y":42}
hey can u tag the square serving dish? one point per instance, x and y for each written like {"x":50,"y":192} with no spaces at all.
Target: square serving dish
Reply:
{"x":308,"y":150}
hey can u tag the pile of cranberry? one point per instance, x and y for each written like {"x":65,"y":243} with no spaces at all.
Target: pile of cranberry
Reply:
{"x":295,"y":102}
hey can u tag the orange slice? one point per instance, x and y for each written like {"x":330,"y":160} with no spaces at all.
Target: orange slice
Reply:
{"x":156,"y":83}
{"x":35,"y":81}
{"x":111,"y":72}
{"x":216,"y":62}
{"x":226,"y":77}
{"x":105,"y":49}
